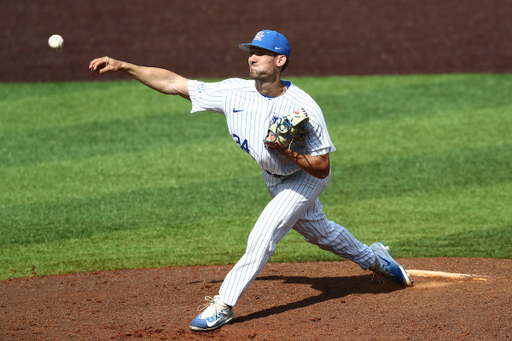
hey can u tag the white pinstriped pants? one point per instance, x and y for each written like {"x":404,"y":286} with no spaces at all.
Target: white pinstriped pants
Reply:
{"x":294,"y":205}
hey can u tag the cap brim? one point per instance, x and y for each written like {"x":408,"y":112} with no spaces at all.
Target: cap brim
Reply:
{"x":245,"y":46}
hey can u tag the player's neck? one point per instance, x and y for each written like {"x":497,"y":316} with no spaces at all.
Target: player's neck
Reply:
{"x":271,"y":89}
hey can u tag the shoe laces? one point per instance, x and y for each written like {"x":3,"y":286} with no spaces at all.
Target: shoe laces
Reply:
{"x":378,"y":269}
{"x":211,"y":305}
{"x":381,"y":281}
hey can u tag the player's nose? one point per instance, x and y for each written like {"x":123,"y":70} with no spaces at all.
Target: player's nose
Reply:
{"x":253,"y":58}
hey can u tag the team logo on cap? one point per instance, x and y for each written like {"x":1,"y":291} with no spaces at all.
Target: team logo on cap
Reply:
{"x":259,"y":35}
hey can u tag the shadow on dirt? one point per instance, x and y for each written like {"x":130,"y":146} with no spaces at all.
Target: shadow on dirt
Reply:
{"x":330,"y":288}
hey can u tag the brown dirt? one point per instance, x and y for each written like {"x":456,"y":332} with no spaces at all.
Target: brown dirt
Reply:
{"x":311,"y":301}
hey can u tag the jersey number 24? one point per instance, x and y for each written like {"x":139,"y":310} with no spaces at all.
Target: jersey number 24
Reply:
{"x":244,"y":145}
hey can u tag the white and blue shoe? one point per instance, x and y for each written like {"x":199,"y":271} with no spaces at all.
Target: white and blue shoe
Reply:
{"x":216,"y":314}
{"x":385,"y":264}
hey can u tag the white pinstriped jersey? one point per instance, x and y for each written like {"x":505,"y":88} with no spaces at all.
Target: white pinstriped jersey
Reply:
{"x":249,"y":114}
{"x":294,"y":202}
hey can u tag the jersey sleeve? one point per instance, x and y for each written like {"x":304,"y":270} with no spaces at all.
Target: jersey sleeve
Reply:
{"x":318,"y":141}
{"x":206,"y":96}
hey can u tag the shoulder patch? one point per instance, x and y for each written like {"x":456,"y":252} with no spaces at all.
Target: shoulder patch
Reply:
{"x":201,"y":88}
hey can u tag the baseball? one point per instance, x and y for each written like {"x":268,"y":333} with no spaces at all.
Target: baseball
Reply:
{"x":55,"y":41}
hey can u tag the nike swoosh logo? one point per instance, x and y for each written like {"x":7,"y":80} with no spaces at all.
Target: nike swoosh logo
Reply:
{"x":388,"y":263}
{"x":210,"y":321}
{"x":235,"y":110}
{"x":279,"y":48}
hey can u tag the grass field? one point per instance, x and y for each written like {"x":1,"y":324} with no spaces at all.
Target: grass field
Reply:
{"x":112,"y":175}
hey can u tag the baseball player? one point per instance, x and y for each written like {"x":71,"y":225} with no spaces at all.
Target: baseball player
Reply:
{"x":295,"y":175}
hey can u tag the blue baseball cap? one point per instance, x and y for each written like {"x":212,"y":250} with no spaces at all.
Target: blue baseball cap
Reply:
{"x":269,"y":40}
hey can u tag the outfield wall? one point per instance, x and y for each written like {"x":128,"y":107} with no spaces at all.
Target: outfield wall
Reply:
{"x":200,"y":38}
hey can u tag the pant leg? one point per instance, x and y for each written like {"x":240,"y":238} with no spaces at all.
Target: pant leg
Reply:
{"x":291,"y":197}
{"x":330,"y":236}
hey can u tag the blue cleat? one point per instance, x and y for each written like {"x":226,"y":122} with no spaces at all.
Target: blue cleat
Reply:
{"x":385,"y":264}
{"x":216,"y":314}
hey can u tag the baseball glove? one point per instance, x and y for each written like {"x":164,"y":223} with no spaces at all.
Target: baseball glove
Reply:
{"x":287,"y":129}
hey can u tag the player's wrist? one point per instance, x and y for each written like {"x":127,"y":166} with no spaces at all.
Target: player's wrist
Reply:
{"x":289,"y":153}
{"x":124,"y":66}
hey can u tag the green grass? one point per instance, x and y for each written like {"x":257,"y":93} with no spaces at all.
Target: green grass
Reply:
{"x":112,"y":175}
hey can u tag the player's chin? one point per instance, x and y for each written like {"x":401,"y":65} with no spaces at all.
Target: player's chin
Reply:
{"x":254,"y":74}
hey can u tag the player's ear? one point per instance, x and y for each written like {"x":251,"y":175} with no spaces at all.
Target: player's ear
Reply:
{"x":281,"y":60}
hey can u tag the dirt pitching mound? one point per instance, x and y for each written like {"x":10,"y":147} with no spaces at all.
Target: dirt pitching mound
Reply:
{"x":308,"y":301}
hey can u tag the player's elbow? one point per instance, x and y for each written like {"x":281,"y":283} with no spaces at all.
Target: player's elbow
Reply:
{"x":322,"y":174}
{"x":323,"y":167}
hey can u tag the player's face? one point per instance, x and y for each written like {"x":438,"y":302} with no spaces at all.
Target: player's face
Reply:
{"x":262,"y":64}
